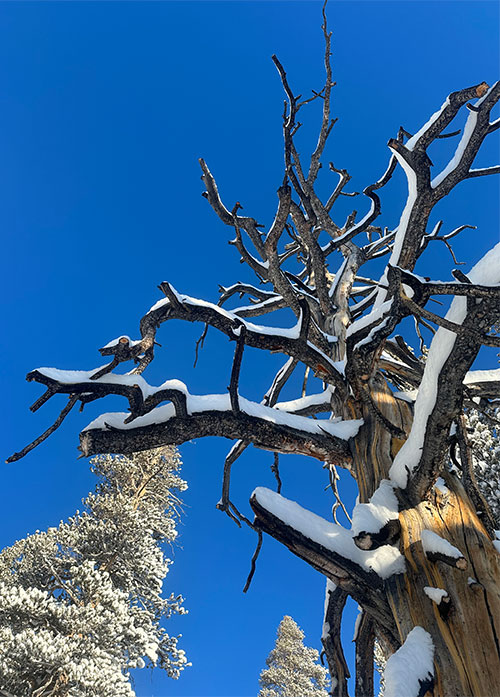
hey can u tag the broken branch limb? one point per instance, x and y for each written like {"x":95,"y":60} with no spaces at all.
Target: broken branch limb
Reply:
{"x":69,"y":406}
{"x":235,"y":372}
{"x":365,"y":644}
{"x":332,"y":645}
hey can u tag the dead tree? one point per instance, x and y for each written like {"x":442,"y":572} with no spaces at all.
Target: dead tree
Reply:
{"x":418,"y":557}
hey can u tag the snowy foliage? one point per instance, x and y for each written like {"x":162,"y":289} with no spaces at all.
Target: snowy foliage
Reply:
{"x":380,"y":662}
{"x":484,"y":439}
{"x":292,"y":668}
{"x":81,"y":604}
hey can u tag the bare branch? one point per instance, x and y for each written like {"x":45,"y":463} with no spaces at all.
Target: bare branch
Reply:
{"x":225,"y":502}
{"x":365,"y":644}
{"x":275,"y":469}
{"x":228,"y":218}
{"x":483,"y":171}
{"x":280,"y":380}
{"x":235,"y":372}
{"x":332,"y":645}
{"x":253,"y":562}
{"x":69,"y":406}
{"x":326,"y":122}
{"x":245,"y":289}
{"x":449,"y":394}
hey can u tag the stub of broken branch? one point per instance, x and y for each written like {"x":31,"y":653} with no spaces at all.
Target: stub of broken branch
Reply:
{"x":387,"y":535}
{"x":438,"y":549}
{"x":457,"y":562}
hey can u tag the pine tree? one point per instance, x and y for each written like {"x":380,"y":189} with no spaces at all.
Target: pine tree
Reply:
{"x":81,"y":604}
{"x":483,"y":432}
{"x":292,"y":668}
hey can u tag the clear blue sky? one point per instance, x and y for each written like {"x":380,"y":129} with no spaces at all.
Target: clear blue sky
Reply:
{"x":104,"y":109}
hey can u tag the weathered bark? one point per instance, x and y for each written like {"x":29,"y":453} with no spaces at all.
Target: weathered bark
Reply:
{"x":467,"y":649}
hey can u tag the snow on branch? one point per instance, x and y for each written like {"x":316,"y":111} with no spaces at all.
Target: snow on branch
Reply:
{"x":410,"y":670}
{"x":476,"y":128}
{"x":292,"y":342}
{"x":330,"y":549}
{"x":189,"y":416}
{"x":419,"y":461}
{"x":424,"y":194}
{"x":384,"y":562}
{"x":436,"y":548}
{"x":377,"y":523}
{"x":440,"y":598}
{"x":483,"y":383}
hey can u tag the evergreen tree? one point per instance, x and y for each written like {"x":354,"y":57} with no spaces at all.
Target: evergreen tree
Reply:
{"x":292,"y":668}
{"x":81,"y":604}
{"x":483,"y":431}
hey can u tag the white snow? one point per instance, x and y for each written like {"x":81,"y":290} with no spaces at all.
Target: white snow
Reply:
{"x":476,"y":376}
{"x":385,"y":560}
{"x":455,"y":160}
{"x":292,"y":333}
{"x":359,"y":617}
{"x":221,"y":402}
{"x":69,"y":377}
{"x":464,"y":141}
{"x":412,"y":662}
{"x":268,"y":302}
{"x":407,"y":395}
{"x":484,"y":169}
{"x":405,"y":215}
{"x":435,"y":594}
{"x":340,"y":429}
{"x":372,"y":333}
{"x":410,"y":144}
{"x":307,"y":401}
{"x":485,"y":272}
{"x":372,"y":516}
{"x":373,"y":316}
{"x":431,"y":542}
{"x":329,"y":588}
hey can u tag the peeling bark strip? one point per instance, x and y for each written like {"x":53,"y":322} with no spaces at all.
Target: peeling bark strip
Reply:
{"x":393,"y":412}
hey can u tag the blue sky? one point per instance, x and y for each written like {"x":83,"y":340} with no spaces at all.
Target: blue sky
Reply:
{"x":104,"y":109}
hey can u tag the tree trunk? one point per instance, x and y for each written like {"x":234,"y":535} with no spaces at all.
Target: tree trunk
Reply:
{"x":466,"y":629}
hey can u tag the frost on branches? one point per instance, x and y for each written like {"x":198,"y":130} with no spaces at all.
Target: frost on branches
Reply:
{"x":81,"y":604}
{"x":292,"y":668}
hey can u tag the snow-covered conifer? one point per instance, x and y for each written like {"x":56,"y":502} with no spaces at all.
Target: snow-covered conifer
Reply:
{"x":483,"y":435}
{"x":81,"y":604}
{"x":292,"y":668}
{"x":380,"y":662}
